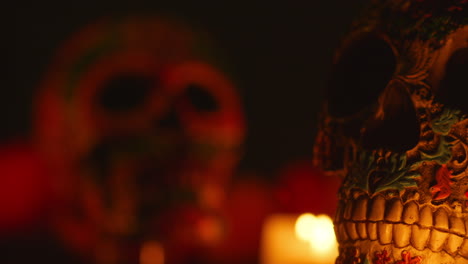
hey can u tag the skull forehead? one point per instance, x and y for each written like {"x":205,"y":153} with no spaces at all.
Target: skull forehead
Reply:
{"x":417,"y":32}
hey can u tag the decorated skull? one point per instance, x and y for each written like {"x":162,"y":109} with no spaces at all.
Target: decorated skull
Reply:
{"x":142,"y":131}
{"x":395,"y":127}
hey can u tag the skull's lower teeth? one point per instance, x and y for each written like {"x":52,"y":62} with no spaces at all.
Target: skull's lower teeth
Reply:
{"x":401,"y":225}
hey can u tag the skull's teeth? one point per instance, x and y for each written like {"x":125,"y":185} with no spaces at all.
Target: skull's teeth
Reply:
{"x":466,"y":225}
{"x":385,"y":231}
{"x":351,"y":230}
{"x":453,"y":244}
{"x":361,"y":229}
{"x":425,"y":217}
{"x":441,"y":220}
{"x":402,"y":224}
{"x":410,"y":213}
{"x":401,"y":235}
{"x":437,"y":240}
{"x":464,"y":249}
{"x":394,"y":210}
{"x":420,"y":236}
{"x":360,"y":209}
{"x":377,"y":209}
{"x":348,"y":210}
{"x":372,"y":230}
{"x":457,"y":226}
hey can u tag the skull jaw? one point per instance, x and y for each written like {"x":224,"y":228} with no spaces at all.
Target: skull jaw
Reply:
{"x":406,"y":223}
{"x":374,"y":252}
{"x":387,"y":229}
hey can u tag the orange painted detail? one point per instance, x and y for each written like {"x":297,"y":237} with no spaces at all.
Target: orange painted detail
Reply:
{"x":442,"y":189}
{"x":407,"y":259}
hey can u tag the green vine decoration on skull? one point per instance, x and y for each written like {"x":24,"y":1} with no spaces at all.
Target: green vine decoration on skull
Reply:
{"x":377,"y":172}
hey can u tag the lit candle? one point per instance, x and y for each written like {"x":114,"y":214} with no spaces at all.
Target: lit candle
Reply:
{"x":307,"y":239}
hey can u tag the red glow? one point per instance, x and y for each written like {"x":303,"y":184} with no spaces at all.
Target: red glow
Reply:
{"x":24,"y":189}
{"x":304,"y":188}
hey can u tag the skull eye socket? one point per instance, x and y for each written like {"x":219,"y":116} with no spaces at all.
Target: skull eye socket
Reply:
{"x":123,"y":93}
{"x":451,"y":86}
{"x":360,"y":75}
{"x":201,"y":99}
{"x":396,"y":128}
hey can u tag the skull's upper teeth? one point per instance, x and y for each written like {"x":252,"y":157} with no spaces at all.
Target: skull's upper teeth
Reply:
{"x":391,"y":221}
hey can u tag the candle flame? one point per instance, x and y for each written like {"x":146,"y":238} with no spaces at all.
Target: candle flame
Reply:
{"x":317,"y":231}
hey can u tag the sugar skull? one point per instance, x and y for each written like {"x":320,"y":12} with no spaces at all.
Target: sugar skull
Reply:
{"x":143,"y":130}
{"x":395,"y":127}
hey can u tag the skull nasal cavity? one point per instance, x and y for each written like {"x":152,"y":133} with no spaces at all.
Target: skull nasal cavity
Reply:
{"x":360,"y":74}
{"x":125,"y":92}
{"x":201,"y":99}
{"x":170,"y":120}
{"x":395,"y":126}
{"x":452,"y":89}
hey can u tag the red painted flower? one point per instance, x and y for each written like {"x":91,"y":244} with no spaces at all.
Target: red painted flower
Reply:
{"x":382,"y":257}
{"x":407,"y":259}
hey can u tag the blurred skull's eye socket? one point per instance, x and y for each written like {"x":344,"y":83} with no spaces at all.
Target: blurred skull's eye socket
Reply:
{"x":360,"y":75}
{"x":453,"y":86}
{"x":201,"y":99}
{"x":125,"y":92}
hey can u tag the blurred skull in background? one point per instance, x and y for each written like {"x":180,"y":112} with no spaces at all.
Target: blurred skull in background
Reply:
{"x":142,"y":131}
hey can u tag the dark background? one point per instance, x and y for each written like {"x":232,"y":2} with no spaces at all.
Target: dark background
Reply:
{"x":279,"y":51}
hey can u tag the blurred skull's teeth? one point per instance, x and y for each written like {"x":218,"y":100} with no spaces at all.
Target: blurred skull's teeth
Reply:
{"x":437,"y":240}
{"x":419,"y":237}
{"x":361,"y":228}
{"x":385,"y":231}
{"x":377,"y":209}
{"x":360,"y":209}
{"x":410,"y":213}
{"x":372,"y":230}
{"x":394,"y":210}
{"x":342,"y":235}
{"x":339,"y":212}
{"x":351,"y":230}
{"x":348,"y":210}
{"x":401,"y":235}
